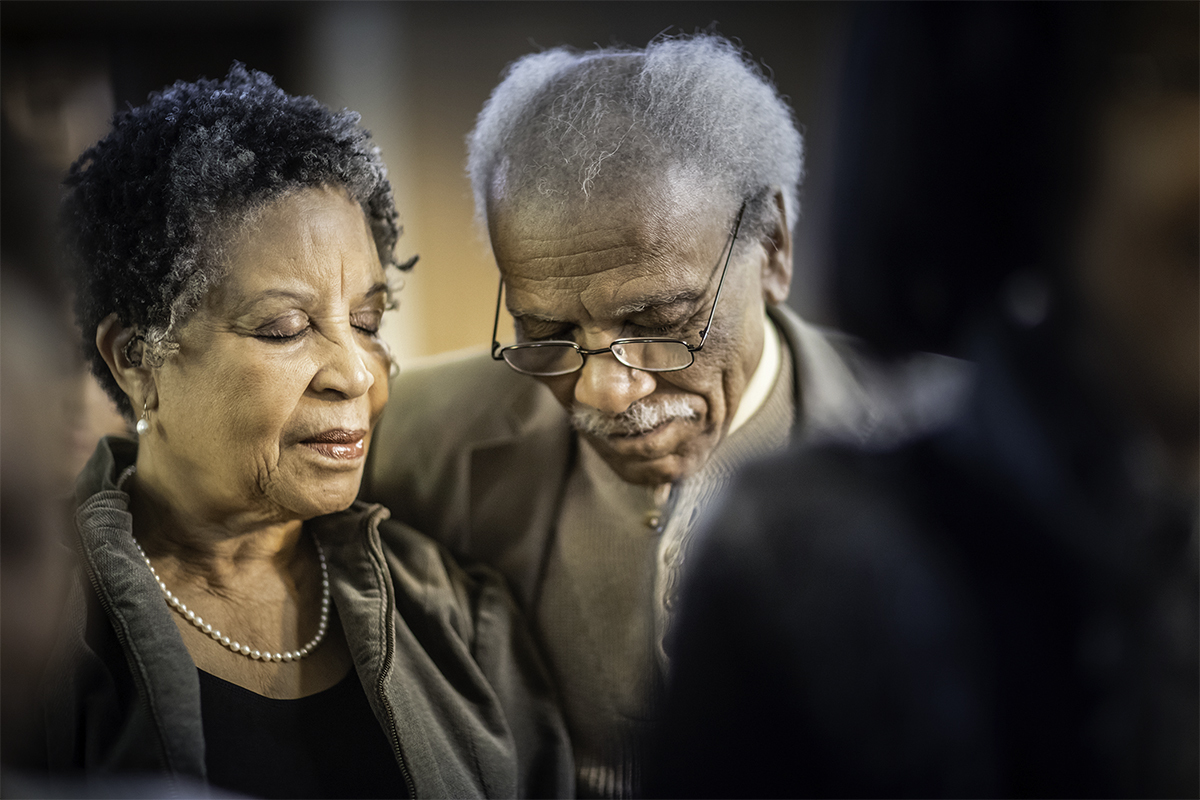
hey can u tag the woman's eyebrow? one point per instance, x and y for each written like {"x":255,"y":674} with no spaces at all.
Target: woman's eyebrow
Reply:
{"x":379,"y":288}
{"x":248,"y":302}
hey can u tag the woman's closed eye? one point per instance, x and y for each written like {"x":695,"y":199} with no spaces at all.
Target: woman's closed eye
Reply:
{"x":294,"y":326}
{"x":291,"y":326}
{"x":367,"y":322}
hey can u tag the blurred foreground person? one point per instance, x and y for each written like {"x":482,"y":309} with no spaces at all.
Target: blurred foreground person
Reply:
{"x":40,"y":371}
{"x":56,"y":98}
{"x":236,"y":617}
{"x":1008,"y":607}
{"x":35,"y":367}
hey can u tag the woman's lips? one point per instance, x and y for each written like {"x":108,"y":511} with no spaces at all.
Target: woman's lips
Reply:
{"x":341,"y":445}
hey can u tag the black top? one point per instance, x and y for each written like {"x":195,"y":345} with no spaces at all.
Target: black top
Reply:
{"x":328,"y":744}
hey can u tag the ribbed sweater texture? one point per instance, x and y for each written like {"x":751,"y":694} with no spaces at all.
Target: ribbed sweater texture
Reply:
{"x":609,"y":585}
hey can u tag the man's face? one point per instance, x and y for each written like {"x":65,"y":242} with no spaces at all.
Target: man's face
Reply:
{"x":645,"y":264}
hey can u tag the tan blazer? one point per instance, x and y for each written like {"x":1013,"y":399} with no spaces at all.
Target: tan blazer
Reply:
{"x":477,"y":456}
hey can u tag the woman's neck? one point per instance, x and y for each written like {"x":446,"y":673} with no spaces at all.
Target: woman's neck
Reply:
{"x":167,"y":524}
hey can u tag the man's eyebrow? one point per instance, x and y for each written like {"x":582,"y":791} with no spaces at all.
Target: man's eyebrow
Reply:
{"x":648,"y":303}
{"x":536,"y":319}
{"x":656,"y":302}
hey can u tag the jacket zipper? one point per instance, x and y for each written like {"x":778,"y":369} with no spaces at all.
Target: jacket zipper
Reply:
{"x":389,"y":654}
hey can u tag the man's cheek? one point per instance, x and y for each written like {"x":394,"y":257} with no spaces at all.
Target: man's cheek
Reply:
{"x":699,"y":382}
{"x":562,"y":387}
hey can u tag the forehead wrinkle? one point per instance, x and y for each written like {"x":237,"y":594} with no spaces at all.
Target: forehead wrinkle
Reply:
{"x":534,"y":306}
{"x":582,"y":263}
{"x":344,"y":244}
{"x":575,"y":231}
{"x":600,"y":273}
{"x":582,"y":250}
{"x":660,"y":280}
{"x":666,"y":284}
{"x":615,"y":302}
{"x":375,"y":288}
{"x":345,"y":274}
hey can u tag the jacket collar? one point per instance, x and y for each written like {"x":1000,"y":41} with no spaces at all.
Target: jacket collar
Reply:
{"x":161,"y":665}
{"x":113,"y":454}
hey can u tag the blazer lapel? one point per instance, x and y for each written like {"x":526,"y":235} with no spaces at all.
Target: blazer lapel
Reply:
{"x":516,"y":484}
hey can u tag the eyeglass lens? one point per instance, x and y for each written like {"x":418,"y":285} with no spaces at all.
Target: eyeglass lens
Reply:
{"x":653,"y":356}
{"x":559,"y":359}
{"x":545,"y":360}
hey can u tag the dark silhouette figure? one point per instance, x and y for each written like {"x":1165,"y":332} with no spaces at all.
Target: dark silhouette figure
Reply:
{"x":1007,"y":607}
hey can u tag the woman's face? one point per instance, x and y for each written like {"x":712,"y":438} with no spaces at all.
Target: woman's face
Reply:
{"x":266,"y":409}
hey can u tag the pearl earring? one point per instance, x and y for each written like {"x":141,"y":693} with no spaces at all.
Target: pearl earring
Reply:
{"x":143,"y":424}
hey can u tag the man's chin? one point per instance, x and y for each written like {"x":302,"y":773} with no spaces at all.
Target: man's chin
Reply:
{"x":656,"y":473}
{"x":646,"y":469}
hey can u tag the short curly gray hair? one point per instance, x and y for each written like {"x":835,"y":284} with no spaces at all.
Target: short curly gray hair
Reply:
{"x":149,"y":207}
{"x":695,"y":105}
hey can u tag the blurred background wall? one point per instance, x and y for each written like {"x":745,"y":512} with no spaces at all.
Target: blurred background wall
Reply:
{"x":418,"y":72}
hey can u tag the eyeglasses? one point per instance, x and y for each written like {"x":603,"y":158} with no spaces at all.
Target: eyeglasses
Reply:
{"x":552,"y":358}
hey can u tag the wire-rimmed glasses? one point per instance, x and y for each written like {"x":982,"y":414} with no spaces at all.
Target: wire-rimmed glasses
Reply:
{"x":649,"y":354}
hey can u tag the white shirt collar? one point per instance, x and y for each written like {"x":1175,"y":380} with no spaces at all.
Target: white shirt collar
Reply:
{"x":763,"y":379}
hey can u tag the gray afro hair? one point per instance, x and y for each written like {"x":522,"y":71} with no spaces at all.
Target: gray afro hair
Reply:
{"x":561,"y":120}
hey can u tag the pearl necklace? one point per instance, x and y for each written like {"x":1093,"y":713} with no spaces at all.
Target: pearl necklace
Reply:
{"x":245,"y":649}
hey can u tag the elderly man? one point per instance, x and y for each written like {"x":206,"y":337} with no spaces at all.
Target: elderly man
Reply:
{"x":640,"y":205}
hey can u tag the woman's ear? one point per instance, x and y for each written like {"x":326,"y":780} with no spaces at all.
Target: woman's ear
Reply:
{"x":777,"y":268}
{"x":124,"y":353}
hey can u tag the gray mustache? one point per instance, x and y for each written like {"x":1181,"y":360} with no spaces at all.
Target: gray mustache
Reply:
{"x":640,"y":417}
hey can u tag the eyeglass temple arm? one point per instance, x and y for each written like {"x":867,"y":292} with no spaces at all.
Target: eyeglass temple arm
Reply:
{"x":733,"y":240}
{"x":496,"y":323}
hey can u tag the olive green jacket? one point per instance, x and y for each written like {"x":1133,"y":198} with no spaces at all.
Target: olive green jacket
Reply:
{"x":449,"y":666}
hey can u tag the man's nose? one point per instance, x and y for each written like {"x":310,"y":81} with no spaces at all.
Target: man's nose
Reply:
{"x":609,"y":386}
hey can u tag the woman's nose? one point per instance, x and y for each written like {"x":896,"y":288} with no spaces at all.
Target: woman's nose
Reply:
{"x":344,"y":368}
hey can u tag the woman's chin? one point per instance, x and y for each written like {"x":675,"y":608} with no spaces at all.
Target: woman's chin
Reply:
{"x":327,"y":494}
{"x":320,"y":507}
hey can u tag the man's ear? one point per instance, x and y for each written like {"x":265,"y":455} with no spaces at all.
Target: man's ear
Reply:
{"x":125,"y":356}
{"x":777,"y":266}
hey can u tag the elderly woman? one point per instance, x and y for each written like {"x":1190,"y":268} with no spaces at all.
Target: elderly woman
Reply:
{"x":239,"y":618}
